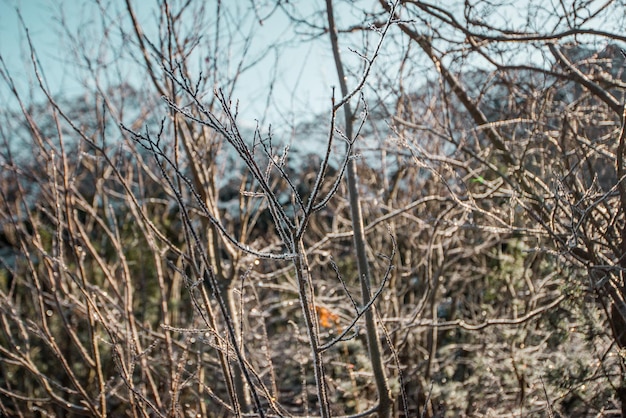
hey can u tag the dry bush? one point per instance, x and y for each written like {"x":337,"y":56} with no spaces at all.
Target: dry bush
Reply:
{"x":159,"y":259}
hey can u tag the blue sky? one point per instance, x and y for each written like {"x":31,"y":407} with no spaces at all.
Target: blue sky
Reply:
{"x":39,"y":17}
{"x":298,"y":69}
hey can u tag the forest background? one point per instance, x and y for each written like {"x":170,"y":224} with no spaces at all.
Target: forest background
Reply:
{"x":338,"y":208}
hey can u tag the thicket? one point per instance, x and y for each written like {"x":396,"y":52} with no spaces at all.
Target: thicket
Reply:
{"x":454,"y":247}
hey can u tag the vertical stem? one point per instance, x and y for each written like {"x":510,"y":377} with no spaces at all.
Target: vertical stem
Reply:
{"x":373,"y":342}
{"x":617,"y":306}
{"x":226,"y":284}
{"x":310,"y":319}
